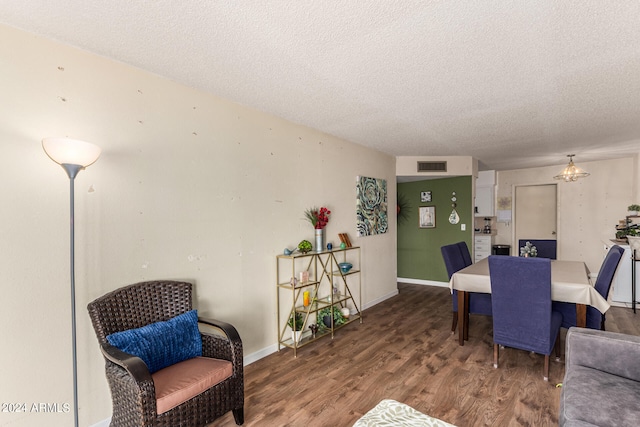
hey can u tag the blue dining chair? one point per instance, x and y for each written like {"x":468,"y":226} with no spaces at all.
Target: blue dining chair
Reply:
{"x":595,"y":319}
{"x":456,"y":257}
{"x":521,"y":305}
{"x":546,"y":248}
{"x":466,"y":255}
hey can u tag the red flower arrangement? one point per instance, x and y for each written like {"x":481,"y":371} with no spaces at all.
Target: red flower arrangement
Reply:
{"x":318,"y":217}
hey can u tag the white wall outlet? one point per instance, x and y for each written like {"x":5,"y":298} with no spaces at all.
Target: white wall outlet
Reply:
{"x":463,"y":227}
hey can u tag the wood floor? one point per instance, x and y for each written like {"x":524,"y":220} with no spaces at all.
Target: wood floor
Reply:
{"x":405,"y":351}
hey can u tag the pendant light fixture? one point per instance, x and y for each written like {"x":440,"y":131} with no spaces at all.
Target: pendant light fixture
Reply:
{"x":571,"y":172}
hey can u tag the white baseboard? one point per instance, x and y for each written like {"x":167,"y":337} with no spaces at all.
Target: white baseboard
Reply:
{"x":423,"y":282}
{"x":254,"y":357}
{"x":379,"y":300}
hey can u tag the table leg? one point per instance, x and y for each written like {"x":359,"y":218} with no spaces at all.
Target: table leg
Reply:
{"x":581,"y":315}
{"x":462,"y":309}
{"x":466,"y":316}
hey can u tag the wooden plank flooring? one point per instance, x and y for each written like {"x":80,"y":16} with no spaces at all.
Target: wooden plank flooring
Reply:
{"x":405,"y":351}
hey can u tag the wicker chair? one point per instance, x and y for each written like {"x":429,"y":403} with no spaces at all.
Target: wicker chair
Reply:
{"x":132,"y":387}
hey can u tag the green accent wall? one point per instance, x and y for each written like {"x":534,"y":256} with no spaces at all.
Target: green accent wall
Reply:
{"x":419,"y":255}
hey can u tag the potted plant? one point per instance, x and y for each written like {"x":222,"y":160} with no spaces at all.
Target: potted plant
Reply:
{"x":528,"y":250}
{"x":324,"y":317}
{"x":296,"y":323}
{"x":633,"y":210}
{"x":633,"y":237}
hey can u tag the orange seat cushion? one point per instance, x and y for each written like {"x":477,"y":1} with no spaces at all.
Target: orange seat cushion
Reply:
{"x":178,"y":383}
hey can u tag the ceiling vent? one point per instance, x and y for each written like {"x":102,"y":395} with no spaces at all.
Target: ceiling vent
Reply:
{"x":432,"y":166}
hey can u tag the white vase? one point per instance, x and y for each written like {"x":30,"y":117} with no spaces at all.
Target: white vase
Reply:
{"x":296,"y":336}
{"x":319,"y":239}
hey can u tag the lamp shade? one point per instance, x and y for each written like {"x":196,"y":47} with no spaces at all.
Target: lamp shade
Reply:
{"x":67,"y":151}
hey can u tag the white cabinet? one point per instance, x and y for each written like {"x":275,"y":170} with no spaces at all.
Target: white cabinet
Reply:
{"x":482,"y":247}
{"x":485,"y":188}
{"x":484,"y":201}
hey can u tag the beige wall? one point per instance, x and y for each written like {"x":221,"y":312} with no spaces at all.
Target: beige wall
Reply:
{"x":588,"y":209}
{"x":189,"y":186}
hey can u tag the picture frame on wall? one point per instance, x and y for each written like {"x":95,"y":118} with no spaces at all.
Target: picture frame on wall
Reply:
{"x":427,"y":216}
{"x":425,"y":196}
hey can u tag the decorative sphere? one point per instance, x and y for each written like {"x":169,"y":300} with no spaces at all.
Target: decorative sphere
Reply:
{"x":343,"y":245}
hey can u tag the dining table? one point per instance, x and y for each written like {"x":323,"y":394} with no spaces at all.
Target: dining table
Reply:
{"x":569,"y":283}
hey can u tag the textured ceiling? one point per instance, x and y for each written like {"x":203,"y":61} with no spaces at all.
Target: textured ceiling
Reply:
{"x":512,"y":83}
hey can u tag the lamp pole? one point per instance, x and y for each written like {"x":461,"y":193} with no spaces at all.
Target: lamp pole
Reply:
{"x":72,"y":171}
{"x":73,"y":155}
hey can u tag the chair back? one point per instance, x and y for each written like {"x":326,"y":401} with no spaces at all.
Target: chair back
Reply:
{"x":453,"y":258}
{"x":466,"y":255}
{"x":608,"y":270}
{"x":521,"y":302}
{"x":138,"y":305}
{"x":546,"y":248}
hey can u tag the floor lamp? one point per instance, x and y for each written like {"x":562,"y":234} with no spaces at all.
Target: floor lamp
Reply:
{"x":73,"y":155}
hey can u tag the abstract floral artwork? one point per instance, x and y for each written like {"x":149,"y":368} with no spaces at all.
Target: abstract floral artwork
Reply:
{"x":371,"y":206}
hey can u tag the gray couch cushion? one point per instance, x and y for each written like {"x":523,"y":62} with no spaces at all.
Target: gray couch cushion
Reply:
{"x":611,"y":352}
{"x":599,"y":398}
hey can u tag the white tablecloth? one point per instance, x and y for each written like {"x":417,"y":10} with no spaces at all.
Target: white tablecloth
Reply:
{"x":569,"y":282}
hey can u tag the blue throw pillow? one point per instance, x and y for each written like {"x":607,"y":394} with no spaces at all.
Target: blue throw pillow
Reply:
{"x":162,"y":344}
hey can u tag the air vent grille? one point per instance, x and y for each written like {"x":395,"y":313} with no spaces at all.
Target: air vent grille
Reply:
{"x":432,"y":166}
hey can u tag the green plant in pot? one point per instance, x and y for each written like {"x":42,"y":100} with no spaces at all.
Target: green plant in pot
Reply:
{"x":633,"y":209}
{"x":296,"y":319}
{"x":296,"y":323}
{"x":324,"y":317}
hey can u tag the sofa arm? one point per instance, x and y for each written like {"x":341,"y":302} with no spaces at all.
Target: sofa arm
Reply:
{"x":610,"y":352}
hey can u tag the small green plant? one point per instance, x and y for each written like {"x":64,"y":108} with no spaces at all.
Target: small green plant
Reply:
{"x":298,"y":318}
{"x":304,"y":246}
{"x":634,"y":208}
{"x":338,"y":318}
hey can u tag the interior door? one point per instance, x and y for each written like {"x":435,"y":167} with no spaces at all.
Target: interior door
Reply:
{"x":535,"y":212}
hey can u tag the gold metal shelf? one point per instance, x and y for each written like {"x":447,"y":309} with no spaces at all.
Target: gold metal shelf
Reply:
{"x":324,"y":278}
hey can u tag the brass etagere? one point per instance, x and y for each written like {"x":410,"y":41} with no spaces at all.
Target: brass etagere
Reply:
{"x":327,"y":285}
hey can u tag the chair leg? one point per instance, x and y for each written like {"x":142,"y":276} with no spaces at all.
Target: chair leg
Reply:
{"x":454,"y":322}
{"x":238,"y":415}
{"x":496,"y":352}
{"x":557,"y":347}
{"x":546,"y":368}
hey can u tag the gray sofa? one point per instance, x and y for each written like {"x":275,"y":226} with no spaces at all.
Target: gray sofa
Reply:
{"x":601,"y":385}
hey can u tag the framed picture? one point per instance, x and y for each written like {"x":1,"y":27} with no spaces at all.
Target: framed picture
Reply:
{"x":427,"y":217}
{"x":425,"y":196}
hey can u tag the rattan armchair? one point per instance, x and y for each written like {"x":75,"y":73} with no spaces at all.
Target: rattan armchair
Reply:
{"x":132,"y":386}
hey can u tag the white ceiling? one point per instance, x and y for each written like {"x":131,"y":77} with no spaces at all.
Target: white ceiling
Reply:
{"x":514,"y":84}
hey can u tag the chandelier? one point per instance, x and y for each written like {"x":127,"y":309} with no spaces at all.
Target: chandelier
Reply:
{"x":571,"y":172}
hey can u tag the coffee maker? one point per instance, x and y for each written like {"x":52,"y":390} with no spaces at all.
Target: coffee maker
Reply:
{"x":487,"y":226}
